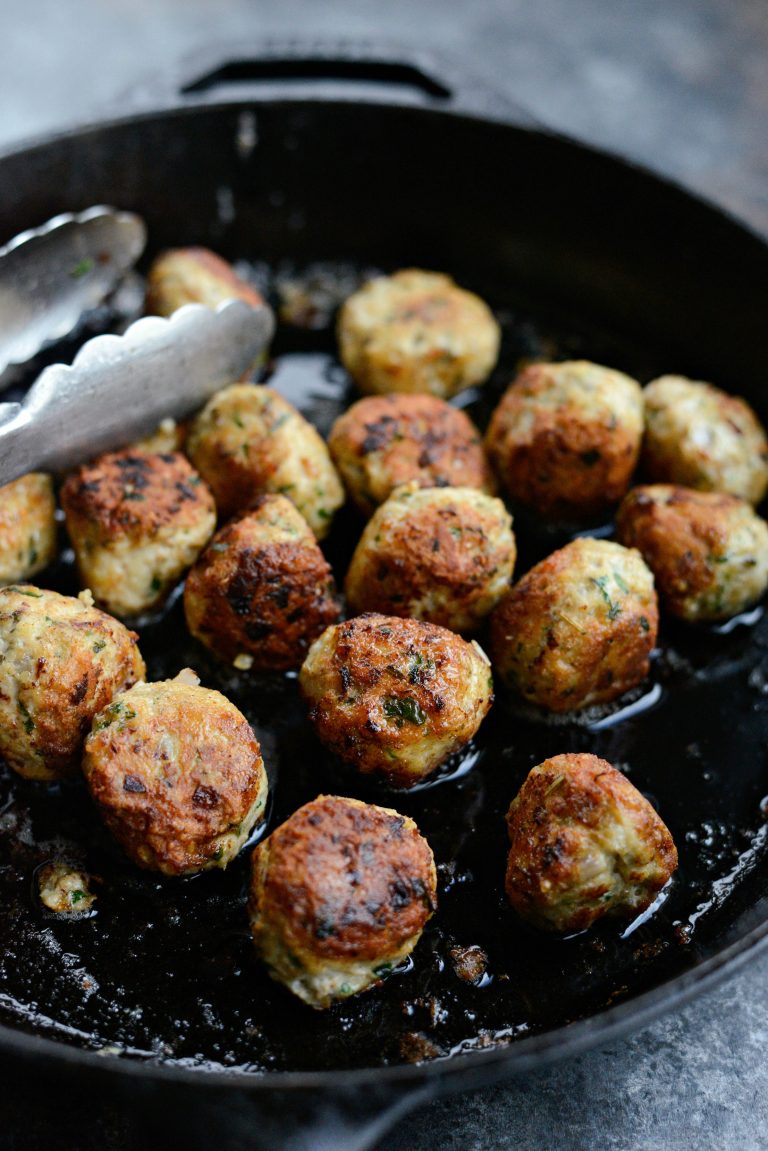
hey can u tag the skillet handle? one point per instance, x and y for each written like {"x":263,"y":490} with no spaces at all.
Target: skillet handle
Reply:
{"x":348,"y":70}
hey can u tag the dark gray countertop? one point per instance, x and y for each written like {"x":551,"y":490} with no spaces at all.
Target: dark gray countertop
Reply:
{"x":681,"y":85}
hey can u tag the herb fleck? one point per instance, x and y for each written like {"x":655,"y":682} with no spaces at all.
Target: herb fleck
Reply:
{"x":614,"y":609}
{"x":82,"y":268}
{"x":405,"y":709}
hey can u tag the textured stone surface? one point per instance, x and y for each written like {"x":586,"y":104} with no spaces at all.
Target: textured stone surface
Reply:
{"x":679,"y":84}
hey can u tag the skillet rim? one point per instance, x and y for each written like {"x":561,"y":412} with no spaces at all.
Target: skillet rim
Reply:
{"x":471,"y":1068}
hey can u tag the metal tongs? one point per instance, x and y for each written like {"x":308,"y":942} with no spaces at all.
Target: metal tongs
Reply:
{"x":119,"y":388}
{"x":53,"y":276}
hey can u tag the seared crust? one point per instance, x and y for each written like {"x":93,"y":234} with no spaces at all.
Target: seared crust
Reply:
{"x":579,"y":628}
{"x":417,"y":331}
{"x":137,"y":521}
{"x":565,"y":438}
{"x":584,"y":843}
{"x":177,"y":775}
{"x":701,"y":437}
{"x":261,"y":588}
{"x":708,"y":551}
{"x":194,"y":276}
{"x":395,"y":696}
{"x":27,"y":527}
{"x":248,"y":440}
{"x":61,"y":661}
{"x":382,"y":442}
{"x":444,"y":555}
{"x":339,"y":893}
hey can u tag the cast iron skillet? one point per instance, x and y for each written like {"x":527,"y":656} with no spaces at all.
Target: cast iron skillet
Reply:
{"x":369,"y":157}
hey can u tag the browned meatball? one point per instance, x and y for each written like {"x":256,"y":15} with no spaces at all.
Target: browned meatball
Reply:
{"x":579,"y":628}
{"x":137,"y":521}
{"x":177,"y":775}
{"x":395,"y":696}
{"x":382,"y":442}
{"x":340,"y":894}
{"x":194,"y":276}
{"x":704,"y":438}
{"x":262,"y":590}
{"x":445,"y":555}
{"x":417,"y":331}
{"x":61,"y":661}
{"x":248,"y":440}
{"x":565,"y":438}
{"x":27,"y":527}
{"x":708,"y":551}
{"x":584,"y":843}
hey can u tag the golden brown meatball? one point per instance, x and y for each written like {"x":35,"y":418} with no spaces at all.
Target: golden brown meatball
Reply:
{"x":340,"y":894}
{"x":27,"y":527}
{"x":262,"y":590}
{"x":61,"y":661}
{"x":395,"y":696}
{"x":137,"y":521}
{"x":248,"y":440}
{"x":194,"y":276}
{"x":417,"y":331}
{"x":444,"y":555}
{"x":579,"y":628}
{"x":584,"y":843}
{"x":177,"y":775}
{"x":708,"y":551}
{"x":565,"y":438}
{"x":382,"y":442}
{"x":703,"y":438}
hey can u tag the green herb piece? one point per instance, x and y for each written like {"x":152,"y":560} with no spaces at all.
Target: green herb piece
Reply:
{"x":456,"y":532}
{"x":402,"y":710}
{"x":156,"y":584}
{"x":345,"y":989}
{"x":82,"y":268}
{"x":130,"y":494}
{"x":644,"y":624}
{"x":99,"y":645}
{"x":219,"y":547}
{"x":76,"y":896}
{"x":621,"y":583}
{"x":218,"y":853}
{"x":614,"y":609}
{"x":29,"y":723}
{"x":323,"y":513}
{"x":27,"y":592}
{"x":237,"y":421}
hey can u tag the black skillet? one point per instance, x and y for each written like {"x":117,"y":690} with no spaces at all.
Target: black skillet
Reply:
{"x":154,"y":1007}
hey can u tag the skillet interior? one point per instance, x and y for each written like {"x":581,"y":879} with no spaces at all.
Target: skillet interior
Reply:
{"x":582,"y":259}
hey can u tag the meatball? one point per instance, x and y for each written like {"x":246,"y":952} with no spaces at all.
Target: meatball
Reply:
{"x":417,"y":331}
{"x":565,"y":438}
{"x":340,"y":894}
{"x":584,"y":843}
{"x":61,"y":661}
{"x":579,"y":628}
{"x":395,"y":696}
{"x":248,"y":440}
{"x":382,"y":442}
{"x":27,"y":527}
{"x":708,"y":551}
{"x":194,"y":276}
{"x":177,"y":775}
{"x":262,"y":590}
{"x":137,"y":521}
{"x":444,"y":555}
{"x":703,"y":438}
